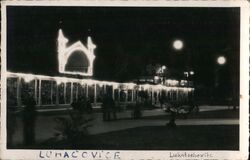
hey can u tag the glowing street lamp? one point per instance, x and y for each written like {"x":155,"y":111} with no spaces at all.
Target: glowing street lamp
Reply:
{"x":178,"y":44}
{"x":221,"y":60}
{"x":163,"y":67}
{"x":187,"y":75}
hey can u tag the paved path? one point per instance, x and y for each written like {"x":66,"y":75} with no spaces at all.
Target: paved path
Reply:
{"x":45,"y":124}
{"x":126,"y":124}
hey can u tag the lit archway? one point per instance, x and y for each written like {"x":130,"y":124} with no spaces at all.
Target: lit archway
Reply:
{"x":65,"y":52}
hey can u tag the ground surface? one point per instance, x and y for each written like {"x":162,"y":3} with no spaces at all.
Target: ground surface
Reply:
{"x":209,"y":137}
{"x":212,"y":128}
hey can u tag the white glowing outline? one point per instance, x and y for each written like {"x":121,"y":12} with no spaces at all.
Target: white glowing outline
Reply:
{"x":115,"y":85}
{"x":64,"y":53}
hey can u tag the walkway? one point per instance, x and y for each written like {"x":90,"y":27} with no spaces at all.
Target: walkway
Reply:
{"x":45,"y":124}
{"x":126,"y":124}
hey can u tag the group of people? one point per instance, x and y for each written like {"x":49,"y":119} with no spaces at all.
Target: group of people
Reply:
{"x":83,"y":105}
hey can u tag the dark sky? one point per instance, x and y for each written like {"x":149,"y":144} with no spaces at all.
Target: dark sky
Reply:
{"x":127,"y":39}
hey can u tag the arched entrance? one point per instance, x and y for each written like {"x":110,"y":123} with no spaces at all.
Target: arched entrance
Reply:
{"x":77,"y":62}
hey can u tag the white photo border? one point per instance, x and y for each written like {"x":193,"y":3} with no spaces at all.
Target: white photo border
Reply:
{"x":242,"y":154}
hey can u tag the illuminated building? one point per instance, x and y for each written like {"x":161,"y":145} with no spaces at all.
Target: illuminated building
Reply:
{"x":58,"y":91}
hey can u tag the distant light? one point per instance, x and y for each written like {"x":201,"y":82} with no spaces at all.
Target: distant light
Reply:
{"x":191,"y":72}
{"x":178,"y":44}
{"x":164,"y":67}
{"x":221,"y":60}
{"x":186,"y":74}
{"x":156,"y":78}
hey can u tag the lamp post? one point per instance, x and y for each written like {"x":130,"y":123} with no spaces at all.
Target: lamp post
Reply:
{"x":163,"y":68}
{"x":220,"y":62}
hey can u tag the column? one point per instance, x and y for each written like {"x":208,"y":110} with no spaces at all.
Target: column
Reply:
{"x":119,"y":96}
{"x":57,"y":95}
{"x":158,"y":95}
{"x":71,"y":92}
{"x":35,"y":95}
{"x":177,"y":94}
{"x":152,"y":95}
{"x":126,"y":96}
{"x":95,"y":93}
{"x":39,"y":92}
{"x":87,"y":91}
{"x":104,"y":89}
{"x":132,"y":95}
{"x":64,"y":92}
{"x":51,"y":92}
{"x":77,"y":91}
{"x":19,"y":103}
{"x":113,"y":92}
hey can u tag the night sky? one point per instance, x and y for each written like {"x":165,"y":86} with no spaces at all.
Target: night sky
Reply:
{"x":127,"y":39}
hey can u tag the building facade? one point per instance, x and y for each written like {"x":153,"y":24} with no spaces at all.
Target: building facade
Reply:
{"x":63,"y":90}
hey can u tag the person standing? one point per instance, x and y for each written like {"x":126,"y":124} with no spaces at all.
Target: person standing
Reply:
{"x":11,"y":124}
{"x":112,"y":107}
{"x":105,"y":109}
{"x":29,"y":120}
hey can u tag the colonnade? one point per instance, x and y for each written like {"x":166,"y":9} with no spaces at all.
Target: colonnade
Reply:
{"x":49,"y":91}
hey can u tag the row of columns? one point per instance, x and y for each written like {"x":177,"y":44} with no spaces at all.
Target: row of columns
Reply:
{"x":134,"y":93}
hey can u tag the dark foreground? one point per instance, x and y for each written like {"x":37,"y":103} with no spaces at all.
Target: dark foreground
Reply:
{"x":209,"y":137}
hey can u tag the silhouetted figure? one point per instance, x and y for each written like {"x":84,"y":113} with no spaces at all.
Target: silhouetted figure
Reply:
{"x":108,"y":106}
{"x":173,"y":113}
{"x":88,"y":106}
{"x":74,"y":105}
{"x":113,"y":108}
{"x":11,"y":124}
{"x":105,"y":109}
{"x":161,"y":101}
{"x":137,"y":111}
{"x":29,"y":120}
{"x":155,"y":97}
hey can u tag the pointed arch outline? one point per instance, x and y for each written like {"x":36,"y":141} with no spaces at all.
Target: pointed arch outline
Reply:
{"x":65,"y":52}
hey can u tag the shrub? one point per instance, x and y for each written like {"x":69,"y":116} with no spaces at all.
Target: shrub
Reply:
{"x":73,"y":128}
